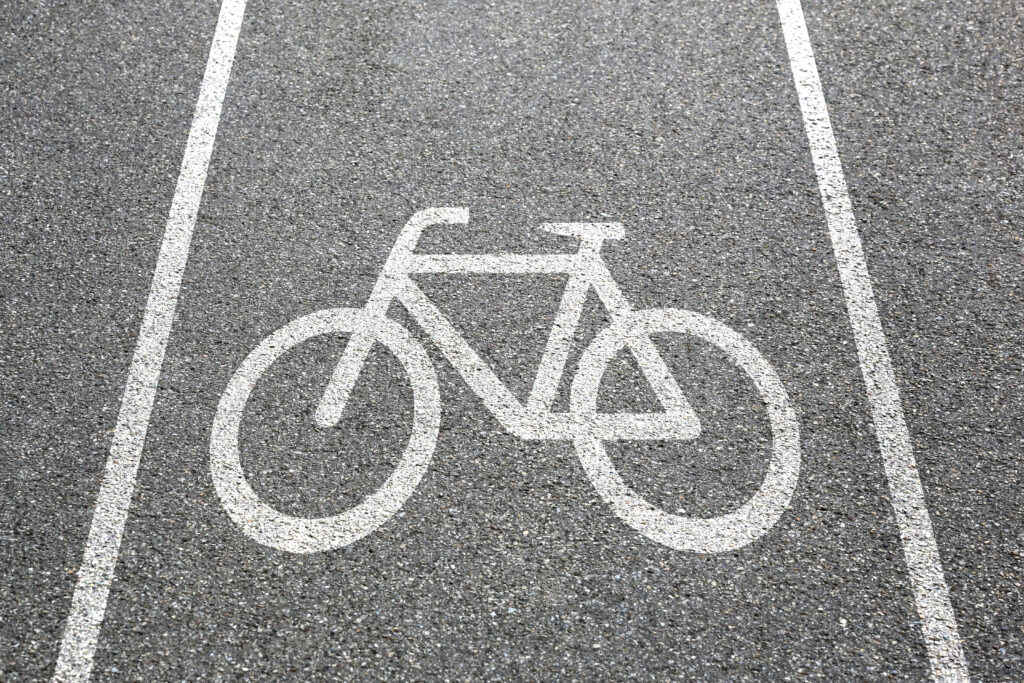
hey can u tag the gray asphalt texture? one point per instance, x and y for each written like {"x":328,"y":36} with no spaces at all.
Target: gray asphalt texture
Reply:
{"x":679,"y":120}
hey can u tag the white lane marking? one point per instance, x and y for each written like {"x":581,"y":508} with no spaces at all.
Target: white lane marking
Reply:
{"x":100,"y":558}
{"x":931,"y":594}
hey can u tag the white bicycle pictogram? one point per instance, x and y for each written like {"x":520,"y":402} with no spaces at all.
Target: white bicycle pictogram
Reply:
{"x":583,"y":424}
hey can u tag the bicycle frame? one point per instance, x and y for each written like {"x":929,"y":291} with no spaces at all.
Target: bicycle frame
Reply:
{"x":533,"y":420}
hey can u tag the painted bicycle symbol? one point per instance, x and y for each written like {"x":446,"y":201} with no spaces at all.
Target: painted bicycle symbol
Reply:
{"x":583,"y":425}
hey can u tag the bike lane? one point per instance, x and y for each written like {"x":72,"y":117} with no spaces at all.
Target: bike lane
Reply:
{"x":930,"y":99}
{"x":337,"y":126}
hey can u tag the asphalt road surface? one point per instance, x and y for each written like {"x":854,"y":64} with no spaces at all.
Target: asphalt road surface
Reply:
{"x":858,"y":392}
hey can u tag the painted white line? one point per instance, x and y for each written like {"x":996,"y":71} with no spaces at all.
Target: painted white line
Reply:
{"x":94,"y":578}
{"x":922,"y":556}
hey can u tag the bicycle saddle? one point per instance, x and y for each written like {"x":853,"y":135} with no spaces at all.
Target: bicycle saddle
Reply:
{"x":605,"y":231}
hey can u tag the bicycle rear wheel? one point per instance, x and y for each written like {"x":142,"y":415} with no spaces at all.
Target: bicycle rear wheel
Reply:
{"x":723,"y":533}
{"x":309,"y":535}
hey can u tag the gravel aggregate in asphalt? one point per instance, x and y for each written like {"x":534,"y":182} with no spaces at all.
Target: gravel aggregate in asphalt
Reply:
{"x":681,"y":122}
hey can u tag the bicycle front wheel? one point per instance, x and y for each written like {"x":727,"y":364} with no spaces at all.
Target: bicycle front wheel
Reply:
{"x":309,"y":535}
{"x":723,"y":533}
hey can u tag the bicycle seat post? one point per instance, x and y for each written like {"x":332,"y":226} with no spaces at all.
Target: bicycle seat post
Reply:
{"x":336,"y":394}
{"x":397,"y":264}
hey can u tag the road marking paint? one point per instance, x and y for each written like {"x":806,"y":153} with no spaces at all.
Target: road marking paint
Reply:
{"x":89,"y":603}
{"x":583,"y":424}
{"x":266,"y":525}
{"x":724,"y":533}
{"x":931,"y":594}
